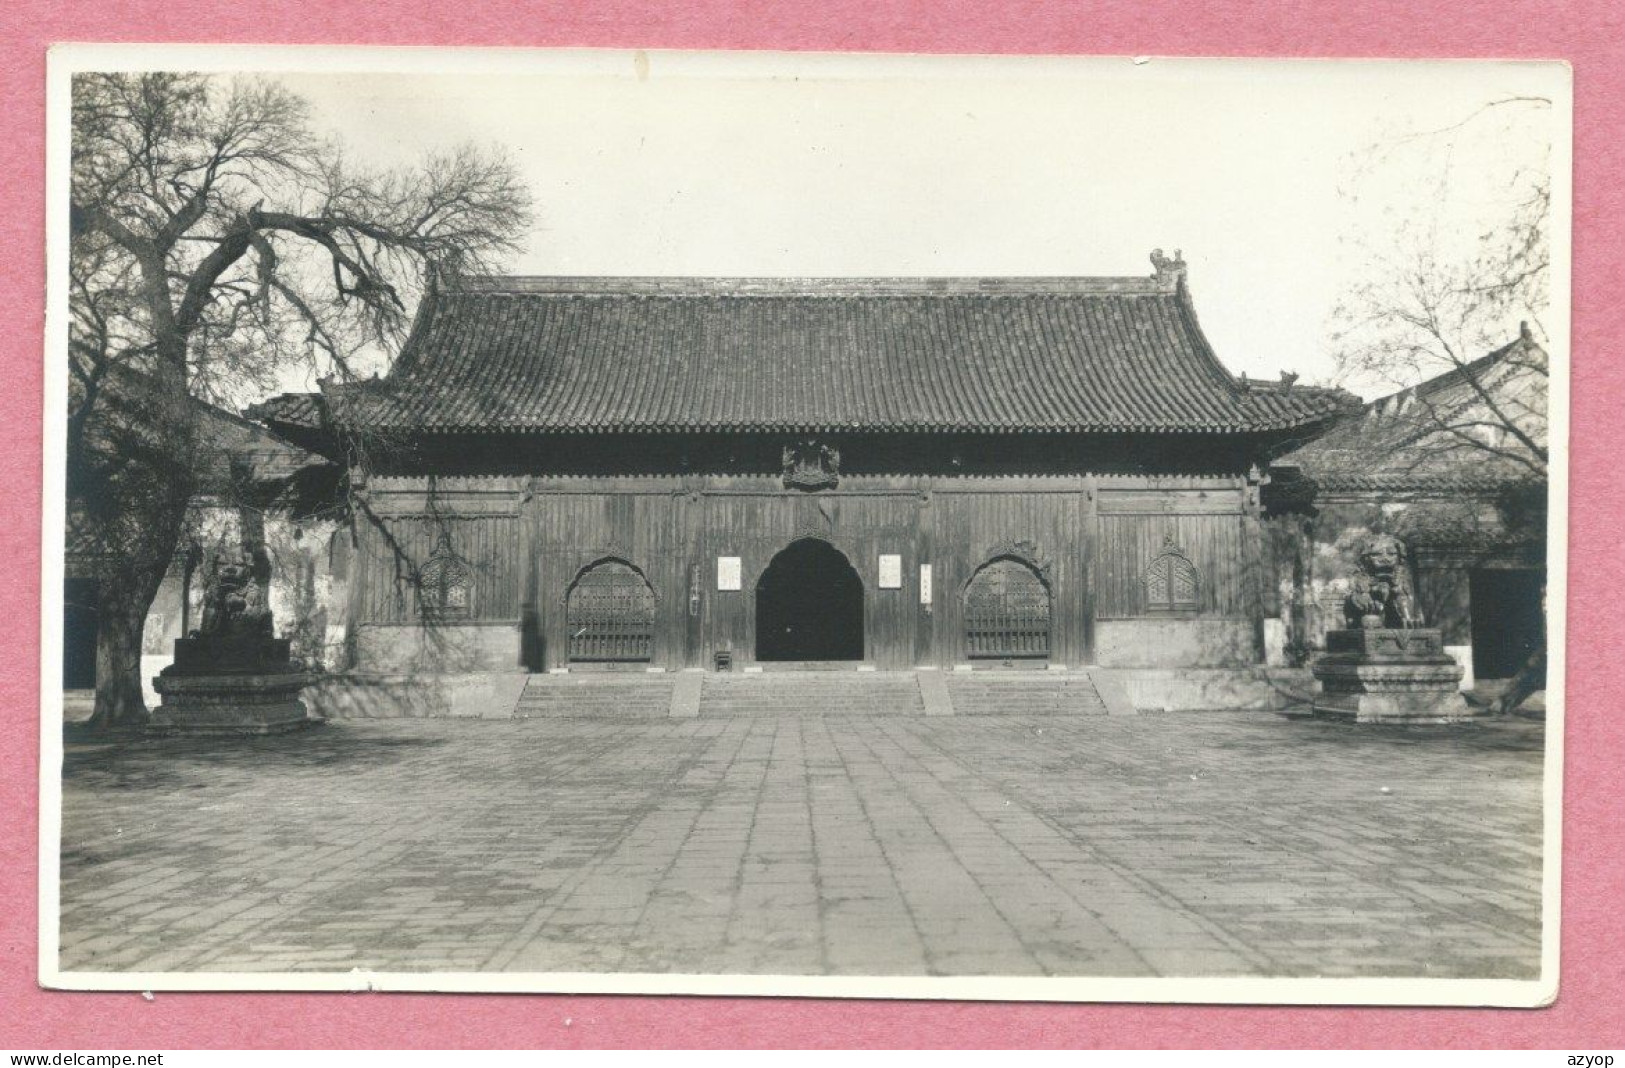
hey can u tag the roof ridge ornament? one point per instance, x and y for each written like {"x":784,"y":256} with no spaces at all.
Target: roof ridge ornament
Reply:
{"x":1170,"y":271}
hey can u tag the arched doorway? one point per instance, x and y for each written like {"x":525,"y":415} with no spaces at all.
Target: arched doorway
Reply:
{"x":610,"y":614}
{"x":809,"y":605}
{"x":1007,"y":612}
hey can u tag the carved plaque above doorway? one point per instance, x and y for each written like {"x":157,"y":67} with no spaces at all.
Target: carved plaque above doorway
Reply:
{"x":810,"y":464}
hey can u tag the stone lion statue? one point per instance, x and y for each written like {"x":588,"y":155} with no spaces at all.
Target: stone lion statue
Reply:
{"x":235,"y":594}
{"x":1380,"y":596}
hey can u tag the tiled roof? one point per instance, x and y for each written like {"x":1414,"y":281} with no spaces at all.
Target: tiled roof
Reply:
{"x":291,"y":409}
{"x":672,"y":355}
{"x":1403,"y":442}
{"x":1431,"y":480}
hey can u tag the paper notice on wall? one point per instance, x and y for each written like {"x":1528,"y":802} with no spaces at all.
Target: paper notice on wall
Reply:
{"x":891,"y":572}
{"x":925,"y":583}
{"x":728,"y":573}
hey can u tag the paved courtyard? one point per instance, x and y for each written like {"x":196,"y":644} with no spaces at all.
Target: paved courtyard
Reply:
{"x":1175,"y":844}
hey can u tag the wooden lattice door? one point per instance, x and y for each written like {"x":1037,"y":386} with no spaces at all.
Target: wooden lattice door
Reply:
{"x":1007,"y":613}
{"x":610,"y":614}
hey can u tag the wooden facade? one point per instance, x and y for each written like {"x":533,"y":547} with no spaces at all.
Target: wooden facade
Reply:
{"x":716,"y":473}
{"x":1090,"y":542}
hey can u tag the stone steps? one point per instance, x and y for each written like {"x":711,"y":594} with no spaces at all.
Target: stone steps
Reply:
{"x":1023,"y":693}
{"x":607,"y":695}
{"x":813,"y":693}
{"x":614,"y":695}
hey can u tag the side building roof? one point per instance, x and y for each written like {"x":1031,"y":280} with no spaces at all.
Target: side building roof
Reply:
{"x":663,"y":355}
{"x":1437,"y":436}
{"x":233,"y":461}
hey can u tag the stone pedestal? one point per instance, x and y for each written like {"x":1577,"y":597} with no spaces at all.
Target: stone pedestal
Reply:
{"x":1383,"y":675}
{"x":230,"y":685}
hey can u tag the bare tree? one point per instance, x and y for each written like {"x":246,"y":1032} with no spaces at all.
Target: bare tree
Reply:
{"x":1434,"y":301}
{"x":215,"y":243}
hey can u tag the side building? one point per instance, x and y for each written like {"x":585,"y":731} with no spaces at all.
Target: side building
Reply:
{"x":1456,"y":467}
{"x":565,"y":473}
{"x":249,"y":483}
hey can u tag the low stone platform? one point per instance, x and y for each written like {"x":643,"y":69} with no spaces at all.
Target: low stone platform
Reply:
{"x":923,"y":691}
{"x":230,"y":684}
{"x":231,"y":704}
{"x":1388,"y":675}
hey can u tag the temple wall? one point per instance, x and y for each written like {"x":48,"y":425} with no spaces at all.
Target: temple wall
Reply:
{"x":309,"y":588}
{"x":446,"y":648}
{"x":1157,"y":643}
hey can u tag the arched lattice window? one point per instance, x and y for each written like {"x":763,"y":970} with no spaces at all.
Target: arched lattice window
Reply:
{"x":445,"y":585}
{"x":610,"y":614}
{"x":1172,"y":583}
{"x":1007,"y":612}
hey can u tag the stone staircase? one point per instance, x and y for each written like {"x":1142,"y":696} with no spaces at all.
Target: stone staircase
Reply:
{"x":812,"y":693}
{"x":1023,"y":693}
{"x":617,"y":695}
{"x":593,"y":695}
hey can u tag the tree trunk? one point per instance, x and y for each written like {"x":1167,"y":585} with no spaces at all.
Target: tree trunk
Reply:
{"x":1529,"y":679}
{"x":138,"y":465}
{"x":121,"y":619}
{"x":152,"y":521}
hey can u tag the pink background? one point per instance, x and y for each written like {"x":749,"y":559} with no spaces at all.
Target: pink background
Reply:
{"x":1590,"y":1011}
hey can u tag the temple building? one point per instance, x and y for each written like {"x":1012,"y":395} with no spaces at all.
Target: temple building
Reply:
{"x":732,"y":474}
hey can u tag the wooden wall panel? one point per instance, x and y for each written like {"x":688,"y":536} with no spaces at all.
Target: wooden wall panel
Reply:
{"x":755,"y":526}
{"x":527,"y":539}
{"x":572,"y":531}
{"x":1214,"y":543}
{"x":394,"y":547}
{"x":971,"y":528}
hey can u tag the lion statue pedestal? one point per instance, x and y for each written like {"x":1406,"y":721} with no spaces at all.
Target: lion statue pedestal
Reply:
{"x":1389,"y":676}
{"x":1385,"y":667}
{"x":231,"y":675}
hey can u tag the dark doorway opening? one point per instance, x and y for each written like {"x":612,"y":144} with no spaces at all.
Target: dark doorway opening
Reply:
{"x":79,"y":597}
{"x":1508,"y":622}
{"x":809,"y":605}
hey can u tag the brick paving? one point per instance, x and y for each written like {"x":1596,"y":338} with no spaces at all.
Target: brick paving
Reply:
{"x":1179,"y":844}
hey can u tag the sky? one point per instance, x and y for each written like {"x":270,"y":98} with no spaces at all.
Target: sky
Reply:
{"x":1270,"y":176}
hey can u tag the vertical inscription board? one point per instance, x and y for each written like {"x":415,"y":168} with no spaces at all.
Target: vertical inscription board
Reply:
{"x":728,"y":573}
{"x":891,"y":572}
{"x":925,"y":583}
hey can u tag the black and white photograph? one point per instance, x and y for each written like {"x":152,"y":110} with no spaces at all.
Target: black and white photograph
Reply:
{"x":805,"y":524}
